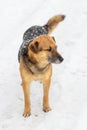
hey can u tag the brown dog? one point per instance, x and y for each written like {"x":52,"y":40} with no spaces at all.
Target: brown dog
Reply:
{"x":36,"y":61}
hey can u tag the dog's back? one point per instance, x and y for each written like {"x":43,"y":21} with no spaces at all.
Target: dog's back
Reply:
{"x":36,"y":31}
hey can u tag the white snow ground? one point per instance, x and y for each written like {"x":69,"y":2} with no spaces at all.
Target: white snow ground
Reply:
{"x":68,"y":94}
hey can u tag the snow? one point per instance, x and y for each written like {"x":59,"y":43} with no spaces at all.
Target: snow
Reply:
{"x":68,"y":93}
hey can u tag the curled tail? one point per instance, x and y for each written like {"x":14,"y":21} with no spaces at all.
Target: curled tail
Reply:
{"x":53,"y":22}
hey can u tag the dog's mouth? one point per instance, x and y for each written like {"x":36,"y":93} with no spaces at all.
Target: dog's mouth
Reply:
{"x":56,"y":59}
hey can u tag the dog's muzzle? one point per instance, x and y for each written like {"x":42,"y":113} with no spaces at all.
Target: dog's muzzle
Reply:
{"x":57,"y":58}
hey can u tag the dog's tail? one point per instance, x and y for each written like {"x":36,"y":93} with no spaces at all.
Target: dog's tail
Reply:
{"x":53,"y":22}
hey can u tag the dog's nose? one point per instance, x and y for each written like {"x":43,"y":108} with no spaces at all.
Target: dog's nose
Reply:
{"x":63,"y":16}
{"x":61,"y":59}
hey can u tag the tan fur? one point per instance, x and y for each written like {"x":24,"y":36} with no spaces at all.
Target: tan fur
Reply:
{"x":39,"y":68}
{"x":53,"y":22}
{"x":27,"y":78}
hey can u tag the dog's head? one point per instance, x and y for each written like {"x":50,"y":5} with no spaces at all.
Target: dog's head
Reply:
{"x":43,"y":50}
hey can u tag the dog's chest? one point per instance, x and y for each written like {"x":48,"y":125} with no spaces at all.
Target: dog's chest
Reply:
{"x":44,"y":75}
{"x":40,"y":77}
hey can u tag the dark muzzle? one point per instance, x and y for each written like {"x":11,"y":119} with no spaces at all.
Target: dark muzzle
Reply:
{"x":55,"y":58}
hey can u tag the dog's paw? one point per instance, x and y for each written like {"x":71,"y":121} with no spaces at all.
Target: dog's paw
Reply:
{"x":26,"y":113}
{"x":47,"y":109}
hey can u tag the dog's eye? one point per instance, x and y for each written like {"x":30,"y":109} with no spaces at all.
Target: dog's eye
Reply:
{"x":49,"y":49}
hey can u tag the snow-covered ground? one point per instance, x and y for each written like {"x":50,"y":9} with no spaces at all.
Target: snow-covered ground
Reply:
{"x":68,"y":94}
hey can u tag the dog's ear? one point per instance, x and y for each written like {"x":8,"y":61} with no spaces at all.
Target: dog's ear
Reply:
{"x":35,"y":47}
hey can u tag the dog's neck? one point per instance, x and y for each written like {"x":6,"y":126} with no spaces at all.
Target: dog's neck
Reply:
{"x":33,"y":67}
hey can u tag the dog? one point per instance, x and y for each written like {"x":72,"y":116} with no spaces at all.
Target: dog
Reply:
{"x":36,"y":55}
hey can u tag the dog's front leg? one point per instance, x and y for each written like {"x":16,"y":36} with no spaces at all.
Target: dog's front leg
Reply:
{"x":46,"y":87}
{"x":26,"y":90}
